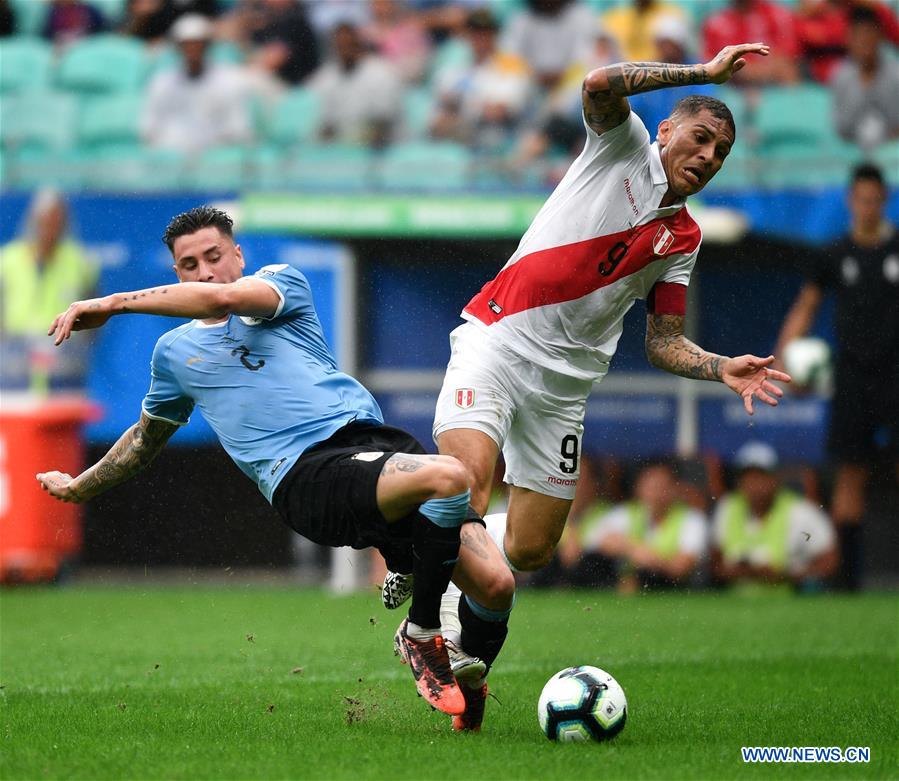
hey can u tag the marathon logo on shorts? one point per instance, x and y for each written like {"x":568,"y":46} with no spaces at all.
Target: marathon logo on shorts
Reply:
{"x":464,"y":397}
{"x":561,"y":480}
{"x":663,"y":241}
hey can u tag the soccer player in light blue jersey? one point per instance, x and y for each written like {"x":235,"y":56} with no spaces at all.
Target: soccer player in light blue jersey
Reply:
{"x":253,"y":358}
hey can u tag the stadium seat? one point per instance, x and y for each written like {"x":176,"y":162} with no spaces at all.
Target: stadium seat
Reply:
{"x":425,"y":165}
{"x":25,"y":64}
{"x":113,"y":11}
{"x":110,"y":118}
{"x":295,"y":117}
{"x":32,"y":167}
{"x":887,"y":157}
{"x":793,"y":114}
{"x":38,"y":119}
{"x":417,"y":107}
{"x":103,"y":63}
{"x":805,"y":165}
{"x":736,"y":102}
{"x":29,"y":15}
{"x":322,"y":167}
{"x":132,"y":168}
{"x":220,"y":169}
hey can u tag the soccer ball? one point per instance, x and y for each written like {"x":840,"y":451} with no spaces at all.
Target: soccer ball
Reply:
{"x":582,"y":703}
{"x":807,"y":361}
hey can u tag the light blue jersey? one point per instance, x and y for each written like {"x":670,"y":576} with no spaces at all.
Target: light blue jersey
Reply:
{"x":269,"y":388}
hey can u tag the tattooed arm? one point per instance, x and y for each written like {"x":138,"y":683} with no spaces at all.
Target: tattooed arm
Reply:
{"x":605,"y":90}
{"x":136,"y":448}
{"x":201,"y":300}
{"x":667,"y":348}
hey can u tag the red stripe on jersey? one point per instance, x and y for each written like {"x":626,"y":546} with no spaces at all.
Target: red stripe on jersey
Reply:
{"x":569,"y":272}
{"x":667,"y":298}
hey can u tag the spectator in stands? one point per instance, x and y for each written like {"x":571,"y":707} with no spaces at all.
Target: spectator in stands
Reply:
{"x":756,"y":20}
{"x":635,"y":28}
{"x":822,"y":27}
{"x":360,"y":93}
{"x":657,"y":539}
{"x":862,"y":269}
{"x":200,"y":104}
{"x":69,"y":20}
{"x":551,"y":36}
{"x":764,"y":532}
{"x":671,"y":39}
{"x":326,"y":15}
{"x":866,"y":86}
{"x":481,"y":104}
{"x":39,"y":273}
{"x":7,"y":19}
{"x":399,"y":37}
{"x":149,"y":20}
{"x":282,"y":44}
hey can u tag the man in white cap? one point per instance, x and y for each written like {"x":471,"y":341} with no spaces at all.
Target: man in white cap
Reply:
{"x":765,"y":532}
{"x":201,"y":104}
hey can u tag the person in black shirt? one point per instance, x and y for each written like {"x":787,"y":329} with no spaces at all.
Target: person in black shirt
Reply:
{"x":862,"y":269}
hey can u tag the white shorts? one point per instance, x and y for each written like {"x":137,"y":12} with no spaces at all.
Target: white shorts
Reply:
{"x":535,"y":416}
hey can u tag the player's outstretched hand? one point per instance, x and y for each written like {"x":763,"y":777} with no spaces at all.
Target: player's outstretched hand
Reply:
{"x":80,"y":316}
{"x":59,"y":485}
{"x":751,"y":376}
{"x":732,"y":59}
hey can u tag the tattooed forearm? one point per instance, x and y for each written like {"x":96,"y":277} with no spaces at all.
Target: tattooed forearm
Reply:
{"x":135,"y":449}
{"x":605,"y":89}
{"x":667,"y":348}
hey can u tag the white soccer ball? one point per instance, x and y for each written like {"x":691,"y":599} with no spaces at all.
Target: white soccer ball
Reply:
{"x":807,"y":361}
{"x":582,"y":703}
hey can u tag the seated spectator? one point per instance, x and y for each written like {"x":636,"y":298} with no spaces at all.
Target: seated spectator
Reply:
{"x":634,"y":27}
{"x":399,"y":37}
{"x":326,"y":15}
{"x":671,"y":38}
{"x":200,"y":104}
{"x":866,"y":86}
{"x":746,"y":21}
{"x":283,"y":46}
{"x":361,"y":94}
{"x":550,"y":36}
{"x":7,"y":19}
{"x":69,"y":20}
{"x":822,"y":27}
{"x":481,"y":104}
{"x":656,"y":539}
{"x":41,"y":273}
{"x":763,"y":532}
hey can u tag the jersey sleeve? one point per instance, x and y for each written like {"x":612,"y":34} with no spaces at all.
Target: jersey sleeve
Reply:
{"x":679,"y":269}
{"x":620,"y":142}
{"x":165,"y":400}
{"x":291,"y":286}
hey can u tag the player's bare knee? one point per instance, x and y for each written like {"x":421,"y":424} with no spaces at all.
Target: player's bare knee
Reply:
{"x":449,"y":477}
{"x":531,"y":557}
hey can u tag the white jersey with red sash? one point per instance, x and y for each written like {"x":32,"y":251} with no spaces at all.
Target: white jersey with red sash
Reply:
{"x":599,"y":243}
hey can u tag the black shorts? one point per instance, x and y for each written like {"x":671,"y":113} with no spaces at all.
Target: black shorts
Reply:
{"x":330,"y":494}
{"x":864,"y":414}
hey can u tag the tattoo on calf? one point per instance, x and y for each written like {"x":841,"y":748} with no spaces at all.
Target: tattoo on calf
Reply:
{"x":474,"y":538}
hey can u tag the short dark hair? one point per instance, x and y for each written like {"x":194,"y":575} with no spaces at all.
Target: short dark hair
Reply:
{"x":482,"y":19}
{"x":867,"y":172}
{"x":693,"y":104}
{"x":196,"y":219}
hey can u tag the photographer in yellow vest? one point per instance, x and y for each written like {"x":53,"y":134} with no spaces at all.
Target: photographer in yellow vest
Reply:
{"x":764,"y":532}
{"x":41,"y":272}
{"x":657,"y":539}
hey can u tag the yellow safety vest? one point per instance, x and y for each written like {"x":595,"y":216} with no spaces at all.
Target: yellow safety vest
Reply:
{"x":771,"y":534}
{"x":32,"y":295}
{"x":666,"y":542}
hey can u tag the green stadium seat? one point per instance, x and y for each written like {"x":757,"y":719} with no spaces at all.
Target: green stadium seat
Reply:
{"x":113,"y":10}
{"x":30,"y":15}
{"x":801,"y":165}
{"x":418,"y":104}
{"x":112,"y":118}
{"x":321,"y":167}
{"x":103,"y":63}
{"x":25,"y":64}
{"x":887,"y":157}
{"x":30,"y":168}
{"x":801,"y":113}
{"x":218,"y":169}
{"x":425,"y":165}
{"x":126,"y":168}
{"x":735,"y":100}
{"x":38,"y":119}
{"x":450,"y":54}
{"x":295,"y":117}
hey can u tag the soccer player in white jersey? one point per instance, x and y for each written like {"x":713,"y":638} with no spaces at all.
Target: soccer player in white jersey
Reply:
{"x":539,"y":335}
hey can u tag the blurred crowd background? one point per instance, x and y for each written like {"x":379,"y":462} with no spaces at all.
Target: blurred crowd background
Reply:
{"x":434,"y":94}
{"x":395,"y":151}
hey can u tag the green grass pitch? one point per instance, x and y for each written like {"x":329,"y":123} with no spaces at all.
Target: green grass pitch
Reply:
{"x":249,"y":682}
